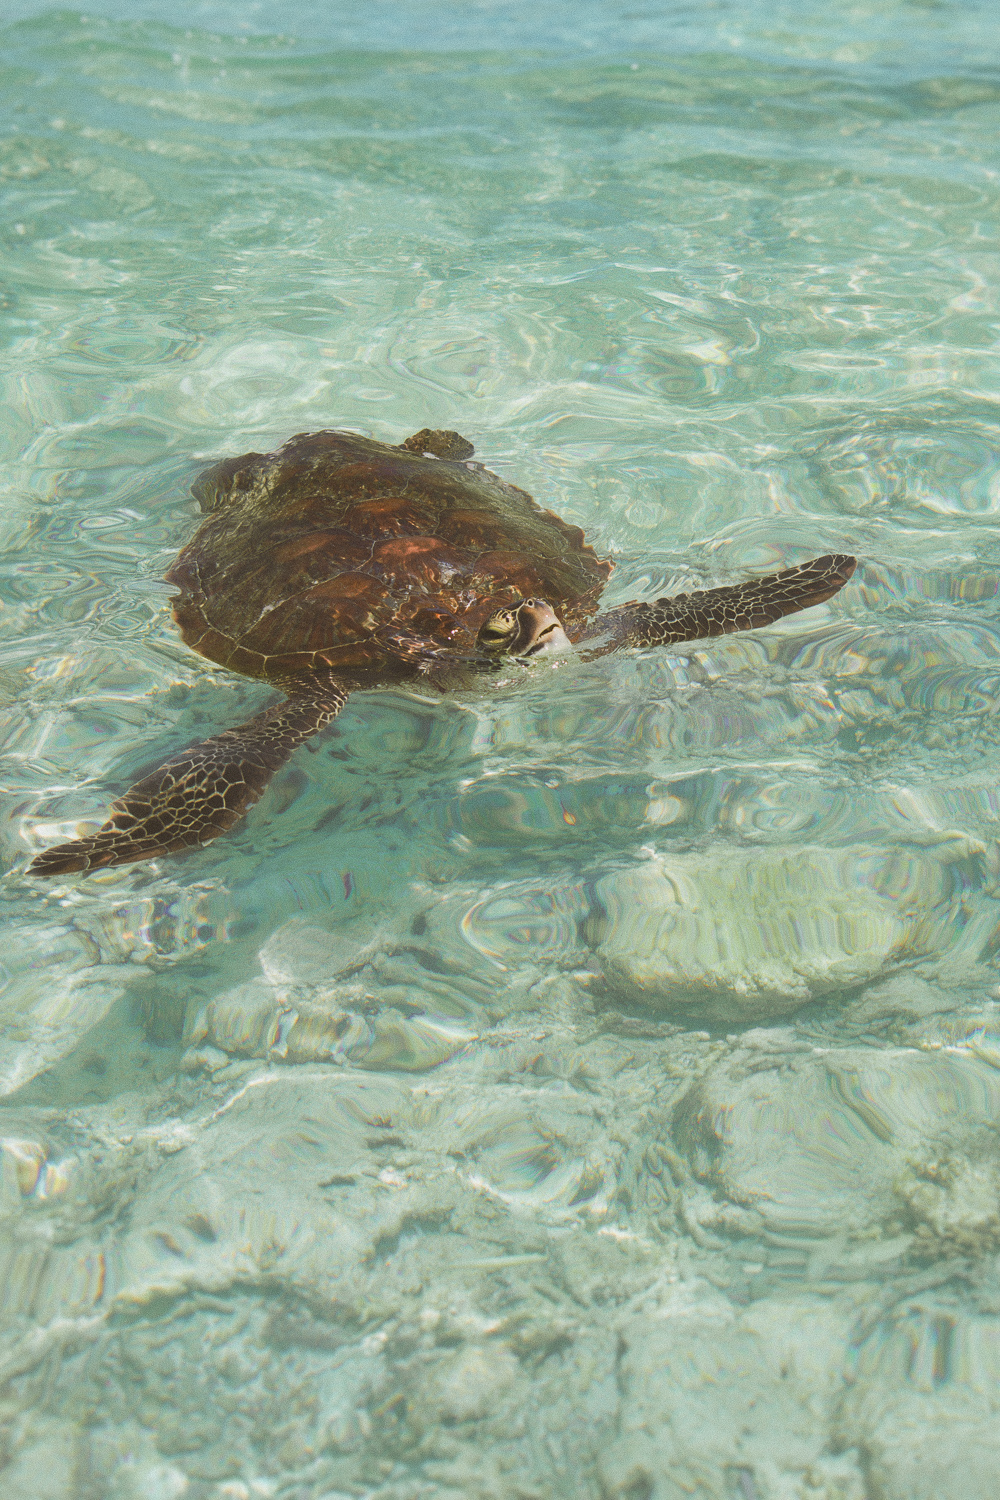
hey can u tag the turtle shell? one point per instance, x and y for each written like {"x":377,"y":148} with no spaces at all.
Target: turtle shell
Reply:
{"x":337,"y":551}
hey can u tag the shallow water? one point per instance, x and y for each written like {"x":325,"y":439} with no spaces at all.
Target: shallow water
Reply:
{"x":585,"y":1087}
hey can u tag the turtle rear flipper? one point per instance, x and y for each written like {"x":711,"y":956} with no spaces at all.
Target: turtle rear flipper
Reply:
{"x":740,"y":606}
{"x":442,"y":443}
{"x":201,"y":792}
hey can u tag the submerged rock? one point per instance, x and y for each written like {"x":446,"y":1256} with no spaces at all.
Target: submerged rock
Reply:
{"x":340,"y":1025}
{"x":923,"y":1402}
{"x":952,"y":1190}
{"x":67,"y":964}
{"x":352,"y":993}
{"x":840,"y":1152}
{"x":751,"y":1398}
{"x":734,"y":935}
{"x":497,"y":1275}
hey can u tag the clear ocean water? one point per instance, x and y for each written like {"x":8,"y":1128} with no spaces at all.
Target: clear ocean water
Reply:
{"x":589,"y":1086}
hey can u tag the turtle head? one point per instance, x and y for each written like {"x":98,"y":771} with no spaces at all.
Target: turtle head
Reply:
{"x":524,"y":629}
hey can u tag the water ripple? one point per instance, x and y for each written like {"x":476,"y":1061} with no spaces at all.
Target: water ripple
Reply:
{"x":401,"y":1094}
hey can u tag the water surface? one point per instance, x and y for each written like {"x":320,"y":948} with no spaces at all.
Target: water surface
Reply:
{"x":585,"y":1087}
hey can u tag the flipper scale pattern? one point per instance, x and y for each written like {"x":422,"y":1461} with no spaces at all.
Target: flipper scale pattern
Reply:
{"x":201,"y":792}
{"x":722,"y":611}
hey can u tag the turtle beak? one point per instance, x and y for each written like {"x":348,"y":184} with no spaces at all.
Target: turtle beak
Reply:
{"x":538,"y":630}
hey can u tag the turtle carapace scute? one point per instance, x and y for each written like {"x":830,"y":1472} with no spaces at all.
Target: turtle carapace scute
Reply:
{"x":339,"y":563}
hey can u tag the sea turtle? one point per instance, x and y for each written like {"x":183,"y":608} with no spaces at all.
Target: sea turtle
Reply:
{"x":339,"y":563}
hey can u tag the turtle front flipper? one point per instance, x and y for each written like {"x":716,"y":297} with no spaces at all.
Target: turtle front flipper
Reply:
{"x":202,"y":791}
{"x":740,"y":606}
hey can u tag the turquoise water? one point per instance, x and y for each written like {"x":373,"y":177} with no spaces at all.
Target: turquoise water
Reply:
{"x":587,"y":1087}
